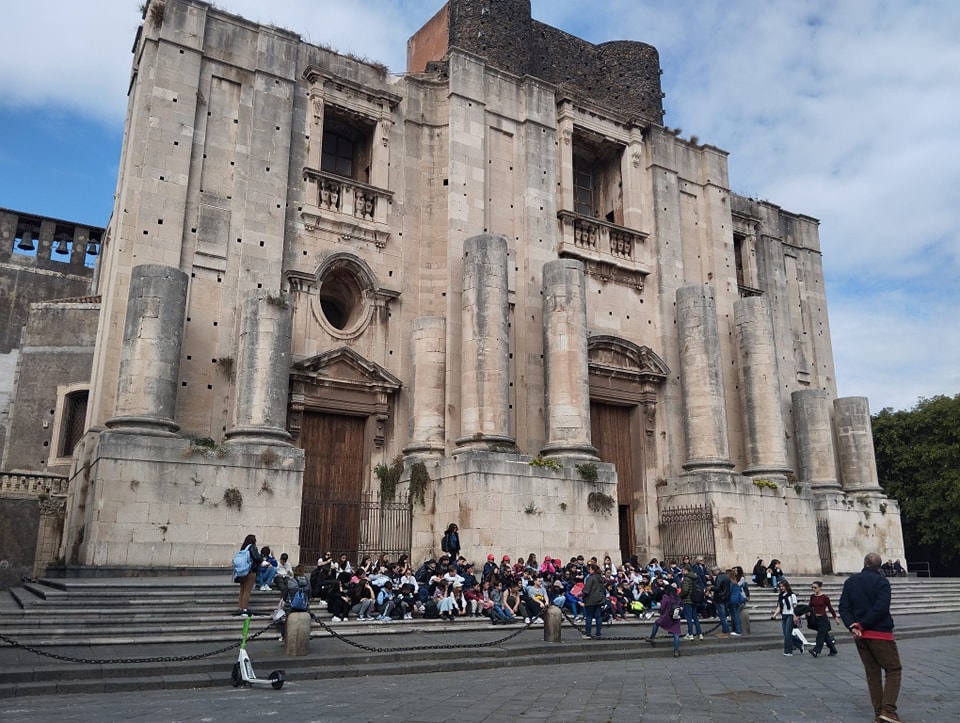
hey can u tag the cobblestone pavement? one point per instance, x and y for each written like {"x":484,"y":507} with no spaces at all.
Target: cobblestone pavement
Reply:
{"x":732,"y":687}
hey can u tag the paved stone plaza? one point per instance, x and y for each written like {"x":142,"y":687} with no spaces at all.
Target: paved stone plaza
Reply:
{"x":737,"y":686}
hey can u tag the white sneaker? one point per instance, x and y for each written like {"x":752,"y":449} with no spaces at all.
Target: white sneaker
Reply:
{"x":700,"y":637}
{"x":736,"y":634}
{"x":334,"y":619}
{"x":526,"y":621}
{"x":688,"y":637}
{"x":408,"y":616}
{"x":280,"y":639}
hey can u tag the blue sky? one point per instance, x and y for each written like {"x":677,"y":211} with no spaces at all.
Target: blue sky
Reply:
{"x":845,"y":111}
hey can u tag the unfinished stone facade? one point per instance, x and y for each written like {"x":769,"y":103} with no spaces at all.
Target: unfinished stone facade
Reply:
{"x":500,"y":268}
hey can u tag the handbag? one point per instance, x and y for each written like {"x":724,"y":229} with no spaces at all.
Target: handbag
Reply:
{"x":675,"y":613}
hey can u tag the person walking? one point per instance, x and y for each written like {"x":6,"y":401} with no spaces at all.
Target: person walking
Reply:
{"x":786,"y":602}
{"x":820,"y":605}
{"x":865,"y":611}
{"x":594,"y":593}
{"x":669,"y":619}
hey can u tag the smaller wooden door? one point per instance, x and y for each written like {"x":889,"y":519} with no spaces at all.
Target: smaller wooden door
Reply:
{"x":332,"y":484}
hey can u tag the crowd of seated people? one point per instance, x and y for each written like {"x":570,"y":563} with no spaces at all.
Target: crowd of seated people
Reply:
{"x":502,"y":592}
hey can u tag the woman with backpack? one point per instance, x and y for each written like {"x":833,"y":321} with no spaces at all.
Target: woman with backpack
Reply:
{"x":245,"y":568}
{"x":450,"y":543}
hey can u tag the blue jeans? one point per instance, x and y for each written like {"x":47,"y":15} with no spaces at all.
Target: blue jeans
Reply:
{"x":721,"y":608}
{"x":592,"y":614}
{"x":787,"y":623}
{"x":735,"y":617}
{"x":265,"y":575}
{"x":693,"y":620}
{"x":676,"y":636}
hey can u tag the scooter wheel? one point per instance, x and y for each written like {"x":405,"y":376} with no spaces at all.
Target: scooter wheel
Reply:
{"x":276,"y":679}
{"x":235,"y":677}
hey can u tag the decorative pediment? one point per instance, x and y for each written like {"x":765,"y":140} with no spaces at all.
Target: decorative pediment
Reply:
{"x":344,"y":367}
{"x":615,"y":357}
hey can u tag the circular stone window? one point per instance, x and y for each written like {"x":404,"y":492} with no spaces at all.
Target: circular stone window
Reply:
{"x":344,"y":292}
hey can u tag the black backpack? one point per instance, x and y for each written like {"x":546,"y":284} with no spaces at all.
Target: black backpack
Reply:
{"x":697,"y":594}
{"x":431,"y":611}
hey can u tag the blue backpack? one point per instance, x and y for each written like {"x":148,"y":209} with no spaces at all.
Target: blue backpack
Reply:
{"x":242,"y":562}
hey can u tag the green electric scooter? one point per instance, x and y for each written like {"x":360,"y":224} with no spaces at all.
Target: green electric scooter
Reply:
{"x":243,"y":669}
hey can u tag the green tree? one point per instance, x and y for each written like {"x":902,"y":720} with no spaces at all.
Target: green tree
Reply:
{"x":918,"y":462}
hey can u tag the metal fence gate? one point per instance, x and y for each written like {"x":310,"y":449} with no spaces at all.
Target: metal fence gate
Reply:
{"x":823,"y":545}
{"x":368,"y":526}
{"x":688,"y":531}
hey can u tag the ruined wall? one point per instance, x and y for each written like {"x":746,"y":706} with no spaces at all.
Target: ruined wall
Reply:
{"x":28,"y":276}
{"x":623,"y":75}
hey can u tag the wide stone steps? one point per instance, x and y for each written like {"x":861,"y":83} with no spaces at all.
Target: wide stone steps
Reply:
{"x":135,"y":611}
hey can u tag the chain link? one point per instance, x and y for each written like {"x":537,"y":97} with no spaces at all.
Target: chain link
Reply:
{"x":117,"y":661}
{"x":582,"y":630}
{"x":456,"y":646}
{"x":333,"y":633}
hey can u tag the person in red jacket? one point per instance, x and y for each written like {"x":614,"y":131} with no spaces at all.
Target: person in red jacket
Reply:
{"x":820,"y":604}
{"x":865,"y":610}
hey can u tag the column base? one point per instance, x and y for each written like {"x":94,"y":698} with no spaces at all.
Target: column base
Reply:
{"x":486,"y":443}
{"x":575,"y":451}
{"x":150,"y":426}
{"x":264,"y":435}
{"x":715,"y":464}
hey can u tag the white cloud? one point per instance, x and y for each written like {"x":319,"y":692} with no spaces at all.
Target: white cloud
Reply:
{"x":846,"y":111}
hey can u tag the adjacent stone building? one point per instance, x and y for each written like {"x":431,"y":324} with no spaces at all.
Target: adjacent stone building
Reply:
{"x":496,"y":286}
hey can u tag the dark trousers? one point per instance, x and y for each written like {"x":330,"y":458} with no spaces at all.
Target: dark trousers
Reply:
{"x":823,"y":635}
{"x":878,"y":657}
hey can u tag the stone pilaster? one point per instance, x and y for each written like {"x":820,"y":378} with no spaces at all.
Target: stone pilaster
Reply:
{"x":701,"y":380}
{"x":485,"y":345}
{"x":763,"y":425}
{"x":150,"y":355}
{"x":858,"y":463}
{"x":428,"y":354}
{"x":567,"y":389}
{"x":262,"y":370}
{"x":814,"y":438}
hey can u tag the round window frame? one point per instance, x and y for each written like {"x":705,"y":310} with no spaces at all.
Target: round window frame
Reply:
{"x":359,"y":283}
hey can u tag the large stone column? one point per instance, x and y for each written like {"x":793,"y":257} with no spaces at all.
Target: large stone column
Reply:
{"x":567,"y":388}
{"x":763,"y":426}
{"x":701,"y":380}
{"x":858,"y":462}
{"x":814,"y":437}
{"x":428,"y":354}
{"x":485,"y":345}
{"x":262,"y":370}
{"x":150,"y":355}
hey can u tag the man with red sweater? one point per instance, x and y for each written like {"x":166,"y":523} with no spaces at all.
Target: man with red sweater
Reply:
{"x":865,"y":610}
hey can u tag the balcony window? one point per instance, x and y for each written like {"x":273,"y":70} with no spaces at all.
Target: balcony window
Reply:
{"x":346,"y":146}
{"x":597,"y":181}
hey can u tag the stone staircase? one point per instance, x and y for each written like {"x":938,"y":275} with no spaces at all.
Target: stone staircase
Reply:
{"x":174,"y":624}
{"x":131,"y":611}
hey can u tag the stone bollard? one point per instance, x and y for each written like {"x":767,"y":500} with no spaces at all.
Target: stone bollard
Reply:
{"x":296,"y":640}
{"x":552,"y":619}
{"x":745,"y":620}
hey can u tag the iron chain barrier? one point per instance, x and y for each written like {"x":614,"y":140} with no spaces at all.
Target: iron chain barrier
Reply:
{"x":574,"y":623}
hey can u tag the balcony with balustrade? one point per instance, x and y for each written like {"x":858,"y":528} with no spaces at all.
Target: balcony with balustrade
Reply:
{"x":608,"y":251}
{"x":350,"y":209}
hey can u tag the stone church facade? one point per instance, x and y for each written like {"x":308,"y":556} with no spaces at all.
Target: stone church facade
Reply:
{"x":497,"y":282}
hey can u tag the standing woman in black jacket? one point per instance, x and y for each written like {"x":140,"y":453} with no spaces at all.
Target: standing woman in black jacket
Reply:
{"x":451,"y":542}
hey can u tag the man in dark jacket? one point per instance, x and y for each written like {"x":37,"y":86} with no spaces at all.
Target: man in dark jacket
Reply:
{"x":594,"y":593}
{"x":721,"y":597}
{"x":865,"y":610}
